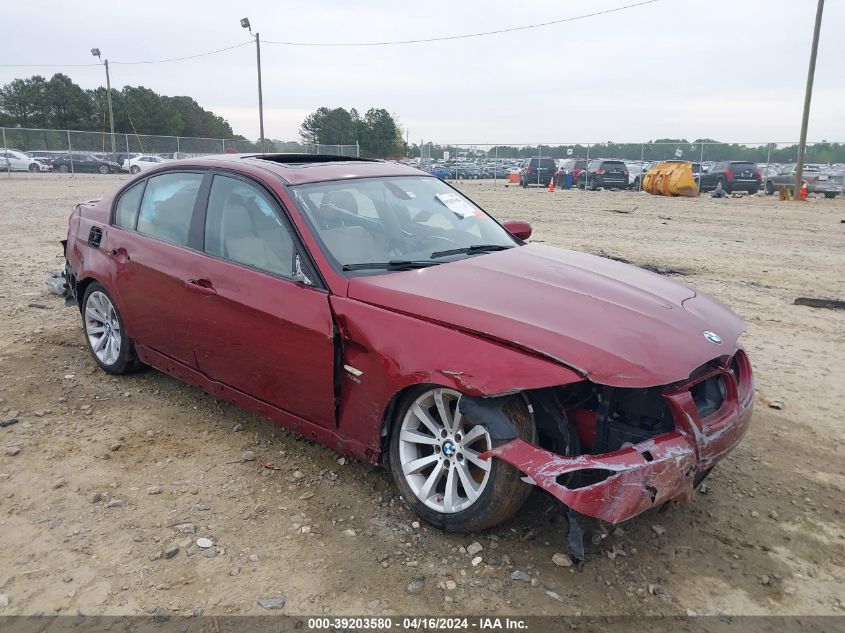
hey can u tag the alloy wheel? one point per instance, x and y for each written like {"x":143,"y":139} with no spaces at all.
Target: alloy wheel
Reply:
{"x":439,"y":452}
{"x":102,"y":327}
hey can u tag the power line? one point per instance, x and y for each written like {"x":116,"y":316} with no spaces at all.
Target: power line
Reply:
{"x":469,"y":35}
{"x":151,"y":61}
{"x":181,"y":59}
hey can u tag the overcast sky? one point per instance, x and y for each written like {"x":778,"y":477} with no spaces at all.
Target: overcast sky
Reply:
{"x":732,"y":70}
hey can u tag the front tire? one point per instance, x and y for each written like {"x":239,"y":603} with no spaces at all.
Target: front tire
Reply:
{"x":770,"y":188}
{"x":103,"y":169}
{"x":33,"y":168}
{"x":63,"y":169}
{"x":105,"y":333}
{"x":134,"y":169}
{"x":434,"y":458}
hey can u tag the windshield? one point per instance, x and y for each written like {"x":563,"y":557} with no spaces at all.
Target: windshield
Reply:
{"x":417,"y":220}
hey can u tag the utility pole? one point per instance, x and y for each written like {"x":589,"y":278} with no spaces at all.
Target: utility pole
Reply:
{"x":245,"y":24}
{"x":808,"y":96}
{"x":96,"y":53}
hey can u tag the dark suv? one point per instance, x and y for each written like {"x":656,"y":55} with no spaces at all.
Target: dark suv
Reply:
{"x":610,"y":174}
{"x":735,"y":175}
{"x":537,"y":171}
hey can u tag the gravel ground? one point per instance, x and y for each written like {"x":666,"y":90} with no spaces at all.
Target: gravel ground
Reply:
{"x":106,"y":484}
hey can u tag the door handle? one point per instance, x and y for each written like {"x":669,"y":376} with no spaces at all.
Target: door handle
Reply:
{"x":202,"y":286}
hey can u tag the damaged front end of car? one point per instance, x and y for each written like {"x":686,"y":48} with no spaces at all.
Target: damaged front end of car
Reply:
{"x":613,"y":453}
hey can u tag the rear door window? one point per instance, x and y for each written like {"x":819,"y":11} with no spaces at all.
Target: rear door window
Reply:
{"x":168,"y":205}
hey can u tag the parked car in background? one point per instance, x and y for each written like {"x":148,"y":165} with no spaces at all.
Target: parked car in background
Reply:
{"x":734,"y":175}
{"x":84,"y":163}
{"x":573,"y":166}
{"x":537,"y":171}
{"x":122,"y":157}
{"x":378,"y":311}
{"x":828,"y":182}
{"x":141,"y":163}
{"x":44,"y":156}
{"x":604,"y":173}
{"x":13,"y":160}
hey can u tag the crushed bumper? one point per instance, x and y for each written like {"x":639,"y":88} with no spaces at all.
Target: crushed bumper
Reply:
{"x":649,"y":473}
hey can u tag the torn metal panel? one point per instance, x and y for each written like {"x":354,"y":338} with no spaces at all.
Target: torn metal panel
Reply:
{"x":395,"y":351}
{"x":652,"y":472}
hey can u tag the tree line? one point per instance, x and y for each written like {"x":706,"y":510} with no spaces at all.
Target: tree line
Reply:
{"x":658,"y":149}
{"x":59,"y":103}
{"x":377,"y":132}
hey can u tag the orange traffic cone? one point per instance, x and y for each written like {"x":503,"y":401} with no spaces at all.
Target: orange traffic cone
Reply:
{"x":803,"y":194}
{"x":552,"y":184}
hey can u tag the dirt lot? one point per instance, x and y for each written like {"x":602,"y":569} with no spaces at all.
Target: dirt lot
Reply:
{"x":106,"y":468}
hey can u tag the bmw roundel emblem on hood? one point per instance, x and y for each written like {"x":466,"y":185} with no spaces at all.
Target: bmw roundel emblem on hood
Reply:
{"x":713,"y":337}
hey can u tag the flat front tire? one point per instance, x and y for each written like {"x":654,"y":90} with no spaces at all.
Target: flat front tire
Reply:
{"x":105,"y":333}
{"x":434,"y":458}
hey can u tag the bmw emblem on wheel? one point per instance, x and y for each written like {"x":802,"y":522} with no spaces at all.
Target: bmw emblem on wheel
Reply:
{"x":712,"y":337}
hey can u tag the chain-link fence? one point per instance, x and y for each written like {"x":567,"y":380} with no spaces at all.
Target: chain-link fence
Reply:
{"x":46,"y":144}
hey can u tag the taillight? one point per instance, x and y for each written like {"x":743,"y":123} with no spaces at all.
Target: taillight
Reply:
{"x":600,"y":171}
{"x":729,"y":175}
{"x":759,"y":174}
{"x":530,"y":170}
{"x":625,"y":172}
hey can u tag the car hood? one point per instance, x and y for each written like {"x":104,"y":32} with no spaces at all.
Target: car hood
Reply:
{"x":615,"y":324}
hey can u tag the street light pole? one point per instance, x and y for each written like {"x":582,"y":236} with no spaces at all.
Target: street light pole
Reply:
{"x":96,"y":53}
{"x":808,"y":95}
{"x":245,"y":24}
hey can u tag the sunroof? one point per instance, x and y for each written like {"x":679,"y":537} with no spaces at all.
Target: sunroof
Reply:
{"x":306,"y":159}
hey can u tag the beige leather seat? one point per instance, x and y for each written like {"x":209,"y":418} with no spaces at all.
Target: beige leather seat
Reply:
{"x":253,"y":239}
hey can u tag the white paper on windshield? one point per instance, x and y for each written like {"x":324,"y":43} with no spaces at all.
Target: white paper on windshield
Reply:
{"x":457,"y":205}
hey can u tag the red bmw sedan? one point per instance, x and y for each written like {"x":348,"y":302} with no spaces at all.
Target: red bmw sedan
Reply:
{"x":376,"y":310}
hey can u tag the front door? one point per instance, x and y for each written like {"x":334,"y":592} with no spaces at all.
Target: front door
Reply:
{"x":260,"y":331}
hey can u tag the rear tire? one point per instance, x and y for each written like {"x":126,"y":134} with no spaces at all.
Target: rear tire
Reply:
{"x":414,"y":440}
{"x":33,"y":168}
{"x":725,"y":184}
{"x":63,"y":169}
{"x":103,"y":169}
{"x":105,"y":332}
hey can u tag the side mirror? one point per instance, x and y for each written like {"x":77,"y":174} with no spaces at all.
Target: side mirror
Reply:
{"x":520,"y":229}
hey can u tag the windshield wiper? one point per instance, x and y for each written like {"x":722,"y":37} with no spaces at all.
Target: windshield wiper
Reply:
{"x":394,"y":264}
{"x":475,"y":248}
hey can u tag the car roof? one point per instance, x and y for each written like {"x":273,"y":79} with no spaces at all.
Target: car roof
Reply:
{"x":297,"y":169}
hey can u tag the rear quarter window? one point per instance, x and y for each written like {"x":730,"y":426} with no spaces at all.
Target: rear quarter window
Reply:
{"x":126,"y":210}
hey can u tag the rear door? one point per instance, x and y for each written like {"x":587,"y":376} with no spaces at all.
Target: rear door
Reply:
{"x":154,"y":241}
{"x":266,"y":330}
